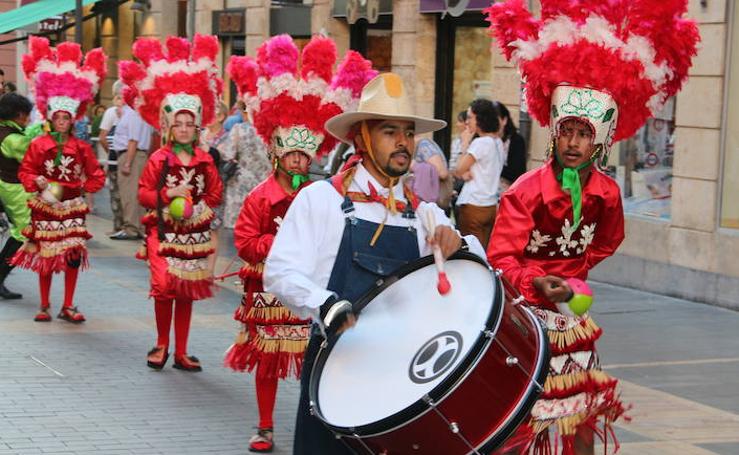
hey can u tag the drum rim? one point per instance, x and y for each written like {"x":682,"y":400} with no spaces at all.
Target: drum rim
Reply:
{"x":522,"y":410}
{"x":418,"y":408}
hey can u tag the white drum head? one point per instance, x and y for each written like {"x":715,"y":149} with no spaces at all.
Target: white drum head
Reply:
{"x":407,"y":340}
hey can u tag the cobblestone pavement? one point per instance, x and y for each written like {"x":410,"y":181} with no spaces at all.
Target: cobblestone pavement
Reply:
{"x":67,"y":389}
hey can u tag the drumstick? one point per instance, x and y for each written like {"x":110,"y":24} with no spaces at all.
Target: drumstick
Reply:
{"x":443,"y":285}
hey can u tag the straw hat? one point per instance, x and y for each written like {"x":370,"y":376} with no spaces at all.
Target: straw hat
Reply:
{"x":384,"y":97}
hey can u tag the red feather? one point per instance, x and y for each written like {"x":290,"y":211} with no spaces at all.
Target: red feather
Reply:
{"x":319,"y":57}
{"x":204,"y":46}
{"x":69,"y":52}
{"x":148,"y":50}
{"x":177,"y":48}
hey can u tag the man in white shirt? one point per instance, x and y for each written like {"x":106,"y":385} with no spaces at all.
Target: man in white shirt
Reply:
{"x":131,"y":141}
{"x":110,"y":120}
{"x":339,"y":237}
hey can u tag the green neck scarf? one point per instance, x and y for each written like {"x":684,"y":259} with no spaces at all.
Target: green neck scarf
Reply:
{"x":59,"y":147}
{"x":297,"y":179}
{"x":569,"y":180}
{"x":177,"y":147}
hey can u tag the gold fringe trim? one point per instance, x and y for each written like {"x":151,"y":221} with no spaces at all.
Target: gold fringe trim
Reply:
{"x":190,"y":276}
{"x":270,"y":313}
{"x":241,"y":337}
{"x":78,"y":207}
{"x":252,"y":268}
{"x":286,"y":346}
{"x":203,"y":217}
{"x":190,"y":250}
{"x":581,"y":332}
{"x":566,"y":426}
{"x":568,"y":381}
{"x":57,"y":235}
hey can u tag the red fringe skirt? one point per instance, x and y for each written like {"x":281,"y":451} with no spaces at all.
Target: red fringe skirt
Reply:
{"x":577,"y":395}
{"x":56,"y":235}
{"x":272,"y":340}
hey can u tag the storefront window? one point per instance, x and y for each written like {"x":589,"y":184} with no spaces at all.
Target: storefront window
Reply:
{"x":643,"y":166}
{"x":472,"y":68}
{"x":730,"y":183}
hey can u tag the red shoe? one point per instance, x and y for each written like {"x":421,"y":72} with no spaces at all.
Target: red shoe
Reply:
{"x":187,"y":363}
{"x":70,"y":314}
{"x":157,"y":357}
{"x":262,"y":441}
{"x":43,"y":315}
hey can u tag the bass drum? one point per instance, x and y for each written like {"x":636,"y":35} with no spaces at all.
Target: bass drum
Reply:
{"x":430,"y":374}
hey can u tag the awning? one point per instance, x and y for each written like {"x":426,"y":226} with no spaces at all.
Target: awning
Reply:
{"x":36,"y":12}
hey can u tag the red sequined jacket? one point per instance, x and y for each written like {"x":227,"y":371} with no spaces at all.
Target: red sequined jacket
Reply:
{"x":533,"y":234}
{"x":78,"y":169}
{"x":255,"y":229}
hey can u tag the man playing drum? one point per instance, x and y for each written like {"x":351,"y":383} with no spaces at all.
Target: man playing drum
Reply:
{"x":340,"y":236}
{"x":593,"y":82}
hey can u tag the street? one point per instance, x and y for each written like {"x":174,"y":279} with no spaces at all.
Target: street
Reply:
{"x":84,"y":389}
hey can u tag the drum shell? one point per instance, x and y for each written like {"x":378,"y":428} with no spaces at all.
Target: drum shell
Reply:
{"x":487,"y":402}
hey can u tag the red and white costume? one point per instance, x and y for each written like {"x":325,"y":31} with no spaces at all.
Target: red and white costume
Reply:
{"x":169,"y":81}
{"x":608,"y":65}
{"x":57,"y":234}
{"x":289,"y":105}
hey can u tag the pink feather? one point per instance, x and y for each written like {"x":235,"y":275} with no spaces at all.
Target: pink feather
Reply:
{"x":319,"y":57}
{"x":130,"y":72}
{"x":204,"y":46}
{"x":353,"y":73}
{"x":279,"y":56}
{"x":148,"y":50}
{"x":177,"y":49}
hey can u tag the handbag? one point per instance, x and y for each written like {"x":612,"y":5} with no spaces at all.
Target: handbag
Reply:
{"x":228,"y":169}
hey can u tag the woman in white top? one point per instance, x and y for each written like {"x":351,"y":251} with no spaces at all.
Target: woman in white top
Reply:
{"x":480,"y":167}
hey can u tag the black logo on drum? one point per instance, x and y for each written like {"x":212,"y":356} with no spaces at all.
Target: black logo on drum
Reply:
{"x":435,"y":357}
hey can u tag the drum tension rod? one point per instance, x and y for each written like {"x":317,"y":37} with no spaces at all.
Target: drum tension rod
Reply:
{"x":453,"y":426}
{"x":513,"y":360}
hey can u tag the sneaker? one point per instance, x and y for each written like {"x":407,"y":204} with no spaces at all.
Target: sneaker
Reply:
{"x":123,"y":235}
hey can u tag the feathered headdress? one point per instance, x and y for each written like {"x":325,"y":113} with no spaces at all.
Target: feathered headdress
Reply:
{"x":289,"y":102}
{"x":59,"y":80}
{"x":180,"y":80}
{"x":610,"y":63}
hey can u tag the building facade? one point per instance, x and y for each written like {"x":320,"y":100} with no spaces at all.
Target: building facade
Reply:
{"x":679,"y":174}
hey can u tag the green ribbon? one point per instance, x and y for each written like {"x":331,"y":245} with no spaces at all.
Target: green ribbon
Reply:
{"x":177,"y":147}
{"x":297,"y":179}
{"x":570,"y":182}
{"x":60,"y":146}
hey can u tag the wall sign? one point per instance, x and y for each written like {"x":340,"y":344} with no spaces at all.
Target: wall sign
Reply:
{"x":229,"y":22}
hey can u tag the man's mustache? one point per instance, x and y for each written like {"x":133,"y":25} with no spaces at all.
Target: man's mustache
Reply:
{"x":401,"y":152}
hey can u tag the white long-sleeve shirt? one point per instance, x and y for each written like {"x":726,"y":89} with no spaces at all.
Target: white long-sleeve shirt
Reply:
{"x":302,"y":256}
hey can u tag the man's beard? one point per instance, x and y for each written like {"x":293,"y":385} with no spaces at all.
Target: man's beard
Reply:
{"x":397,"y":172}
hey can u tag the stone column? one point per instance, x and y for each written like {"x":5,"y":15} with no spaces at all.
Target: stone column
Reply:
{"x":257,"y":24}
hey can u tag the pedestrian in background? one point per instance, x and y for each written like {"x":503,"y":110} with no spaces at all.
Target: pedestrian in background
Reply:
{"x":108,"y":124}
{"x":15,"y":113}
{"x":480,"y":167}
{"x":249,"y":152}
{"x":132,"y":139}
{"x":515,"y":148}
{"x":214,"y":138}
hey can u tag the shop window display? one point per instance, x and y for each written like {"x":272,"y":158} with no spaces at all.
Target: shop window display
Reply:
{"x":644,"y":167}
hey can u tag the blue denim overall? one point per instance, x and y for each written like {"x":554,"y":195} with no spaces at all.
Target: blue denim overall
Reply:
{"x":358,"y":265}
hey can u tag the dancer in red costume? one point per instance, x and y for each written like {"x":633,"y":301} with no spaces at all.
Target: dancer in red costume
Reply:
{"x":594,"y":73}
{"x":61,"y":167}
{"x":180,"y":90}
{"x":273,"y":339}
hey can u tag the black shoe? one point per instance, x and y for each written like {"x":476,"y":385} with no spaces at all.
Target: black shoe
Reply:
{"x":7,"y":294}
